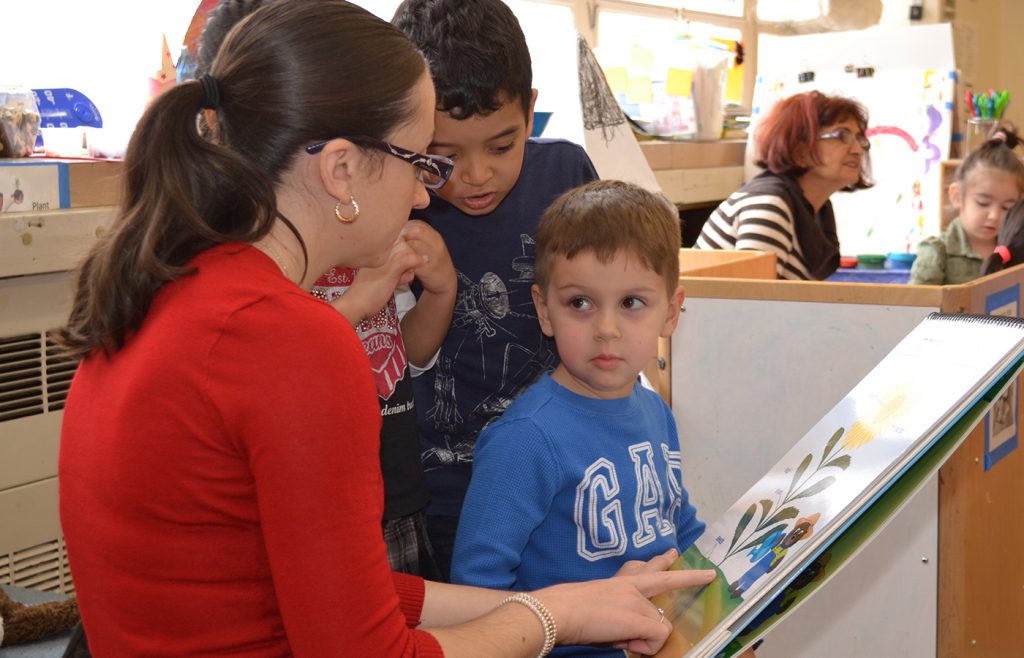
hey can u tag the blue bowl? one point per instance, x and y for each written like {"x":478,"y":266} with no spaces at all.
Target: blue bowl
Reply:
{"x":540,"y":122}
{"x":901,"y":261}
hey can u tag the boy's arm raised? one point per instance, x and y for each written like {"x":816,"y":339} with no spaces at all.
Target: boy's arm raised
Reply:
{"x":426,"y":324}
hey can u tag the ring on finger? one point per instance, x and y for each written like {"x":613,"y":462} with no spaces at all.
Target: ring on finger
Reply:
{"x":661,"y":613}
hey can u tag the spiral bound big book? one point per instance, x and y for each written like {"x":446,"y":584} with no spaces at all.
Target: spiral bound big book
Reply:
{"x":839,"y":484}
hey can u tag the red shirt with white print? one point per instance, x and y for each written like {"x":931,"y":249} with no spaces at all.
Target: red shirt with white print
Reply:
{"x":404,"y":490}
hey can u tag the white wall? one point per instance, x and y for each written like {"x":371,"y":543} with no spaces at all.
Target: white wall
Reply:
{"x":79,"y":46}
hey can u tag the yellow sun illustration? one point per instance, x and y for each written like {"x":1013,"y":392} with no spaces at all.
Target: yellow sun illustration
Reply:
{"x":864,"y":432}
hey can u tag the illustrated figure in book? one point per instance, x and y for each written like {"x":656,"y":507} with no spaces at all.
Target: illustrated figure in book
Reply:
{"x":813,"y":573}
{"x":771,"y":552}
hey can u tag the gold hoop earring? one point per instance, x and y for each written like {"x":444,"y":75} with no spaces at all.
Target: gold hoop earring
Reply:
{"x":344,"y":219}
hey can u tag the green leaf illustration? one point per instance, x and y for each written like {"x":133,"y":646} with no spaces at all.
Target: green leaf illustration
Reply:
{"x":816,"y":488}
{"x":742,"y":525}
{"x":799,"y":471}
{"x":842,"y":461}
{"x":831,"y":444}
{"x":783,"y":514}
{"x":760,"y":538}
{"x":766,"y":507}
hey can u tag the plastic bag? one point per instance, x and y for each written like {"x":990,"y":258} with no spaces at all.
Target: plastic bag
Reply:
{"x":19,"y":122}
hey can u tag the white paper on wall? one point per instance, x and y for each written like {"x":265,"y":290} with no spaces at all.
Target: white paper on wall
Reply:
{"x":608,"y":138}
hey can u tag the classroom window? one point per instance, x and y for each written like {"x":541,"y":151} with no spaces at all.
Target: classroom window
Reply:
{"x":652,"y":62}
{"x":721,"y":7}
{"x":791,"y":11}
{"x":382,"y":8}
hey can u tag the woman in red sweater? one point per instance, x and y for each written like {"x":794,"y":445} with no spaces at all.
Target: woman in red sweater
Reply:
{"x":220,"y":482}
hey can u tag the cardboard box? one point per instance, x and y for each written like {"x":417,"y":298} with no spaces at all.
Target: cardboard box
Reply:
{"x":38,"y":184}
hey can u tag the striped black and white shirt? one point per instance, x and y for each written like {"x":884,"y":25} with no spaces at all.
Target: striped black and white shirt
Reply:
{"x":770,"y":214}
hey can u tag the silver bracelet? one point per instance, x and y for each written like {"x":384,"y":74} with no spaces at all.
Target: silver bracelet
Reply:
{"x":546,"y":620}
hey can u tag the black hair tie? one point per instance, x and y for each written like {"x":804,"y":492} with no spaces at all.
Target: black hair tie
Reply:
{"x":212,"y":101}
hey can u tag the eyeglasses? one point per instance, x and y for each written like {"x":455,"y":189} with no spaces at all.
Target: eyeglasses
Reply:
{"x":846,"y":136}
{"x":431,"y":170}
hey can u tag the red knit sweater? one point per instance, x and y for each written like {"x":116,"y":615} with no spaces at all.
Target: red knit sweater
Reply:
{"x":220,"y":489}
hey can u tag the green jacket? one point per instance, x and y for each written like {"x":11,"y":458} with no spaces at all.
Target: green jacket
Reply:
{"x":946,"y":259}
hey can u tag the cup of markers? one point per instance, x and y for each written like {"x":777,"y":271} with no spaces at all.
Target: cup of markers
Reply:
{"x":989,"y":105}
{"x":986,"y":112}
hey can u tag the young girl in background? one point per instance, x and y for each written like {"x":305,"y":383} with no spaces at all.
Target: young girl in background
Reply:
{"x":1010,"y":250}
{"x":988,"y":183}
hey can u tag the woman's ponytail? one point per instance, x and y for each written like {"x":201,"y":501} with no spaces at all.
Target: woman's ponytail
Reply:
{"x":182,"y":194}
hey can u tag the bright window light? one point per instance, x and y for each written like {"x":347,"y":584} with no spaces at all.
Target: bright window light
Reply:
{"x":721,"y":7}
{"x":383,"y":8}
{"x":786,"y":11}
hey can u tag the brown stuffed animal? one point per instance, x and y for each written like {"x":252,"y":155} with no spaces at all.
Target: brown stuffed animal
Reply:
{"x":20,"y":623}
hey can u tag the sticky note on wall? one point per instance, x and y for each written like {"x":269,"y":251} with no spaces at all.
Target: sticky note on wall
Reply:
{"x":734,"y":84}
{"x":639,"y":90}
{"x":679,"y":82}
{"x":641,"y":58}
{"x":617,"y":78}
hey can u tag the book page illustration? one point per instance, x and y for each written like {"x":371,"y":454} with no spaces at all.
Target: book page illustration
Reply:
{"x":774,"y":535}
{"x":854,"y":538}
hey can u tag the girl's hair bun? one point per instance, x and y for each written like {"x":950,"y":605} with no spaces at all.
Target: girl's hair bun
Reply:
{"x":1006,"y":135}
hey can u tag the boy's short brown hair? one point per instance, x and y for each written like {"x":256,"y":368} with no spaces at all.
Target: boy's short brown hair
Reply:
{"x":606,"y":217}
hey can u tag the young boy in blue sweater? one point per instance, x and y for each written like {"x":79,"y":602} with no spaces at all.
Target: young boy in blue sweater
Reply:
{"x":487,"y":214}
{"x":583,"y":471}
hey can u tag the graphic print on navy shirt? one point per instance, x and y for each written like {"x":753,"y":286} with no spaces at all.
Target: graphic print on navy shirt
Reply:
{"x":486,"y":319}
{"x":494,"y":347}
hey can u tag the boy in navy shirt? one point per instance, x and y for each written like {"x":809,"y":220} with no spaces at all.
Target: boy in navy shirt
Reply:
{"x":487,"y":214}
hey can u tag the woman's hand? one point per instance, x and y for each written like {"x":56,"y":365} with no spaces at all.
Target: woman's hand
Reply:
{"x":618,"y":610}
{"x":468,"y":621}
{"x":655,"y":564}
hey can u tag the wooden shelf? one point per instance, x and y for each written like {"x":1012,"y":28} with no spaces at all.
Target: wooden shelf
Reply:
{"x":48,"y":241}
{"x":663,"y":155}
{"x":692,"y":173}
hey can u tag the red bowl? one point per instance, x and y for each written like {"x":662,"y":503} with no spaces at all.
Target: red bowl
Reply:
{"x":848,"y":261}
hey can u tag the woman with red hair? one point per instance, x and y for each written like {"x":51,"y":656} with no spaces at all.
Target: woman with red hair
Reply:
{"x":810,"y":146}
